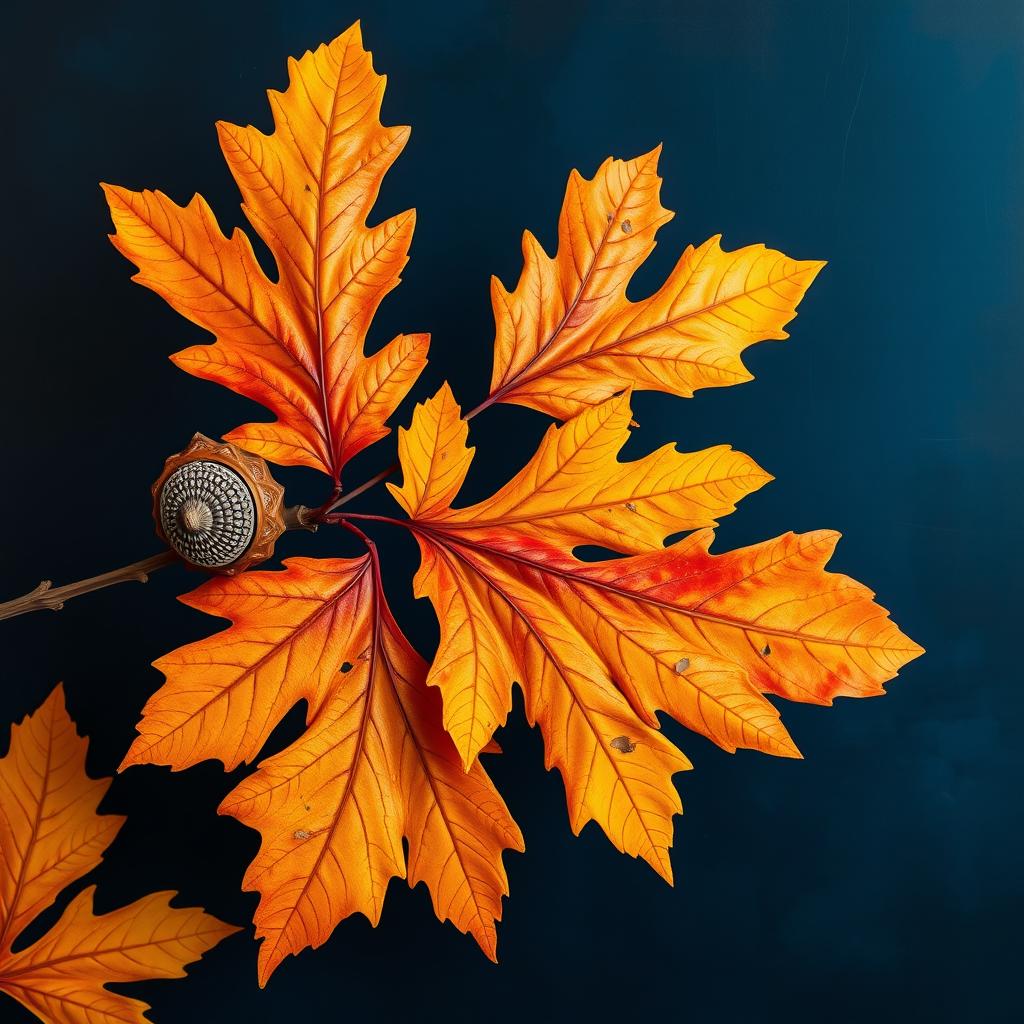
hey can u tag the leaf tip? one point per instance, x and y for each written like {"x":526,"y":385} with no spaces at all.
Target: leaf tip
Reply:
{"x":132,"y":758}
{"x":660,"y":860}
{"x":786,"y":746}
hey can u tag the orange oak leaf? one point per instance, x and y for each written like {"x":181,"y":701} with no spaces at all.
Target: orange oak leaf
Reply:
{"x":50,"y":836}
{"x":374,"y":765}
{"x":568,"y":337}
{"x":599,"y":647}
{"x":294,"y":344}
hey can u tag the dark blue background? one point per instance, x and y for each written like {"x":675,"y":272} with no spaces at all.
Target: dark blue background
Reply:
{"x":880,"y":877}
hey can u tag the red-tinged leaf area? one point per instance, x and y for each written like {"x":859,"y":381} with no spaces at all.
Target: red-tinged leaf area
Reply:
{"x":374,"y":765}
{"x":599,"y":648}
{"x":568,"y":338}
{"x":50,"y":836}
{"x":294,"y":344}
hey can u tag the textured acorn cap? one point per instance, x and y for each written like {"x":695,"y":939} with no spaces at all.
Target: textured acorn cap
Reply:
{"x":217,"y":507}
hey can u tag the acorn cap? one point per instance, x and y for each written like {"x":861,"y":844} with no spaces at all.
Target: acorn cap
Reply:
{"x":217,"y":507}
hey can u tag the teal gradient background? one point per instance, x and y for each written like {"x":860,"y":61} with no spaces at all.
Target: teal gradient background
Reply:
{"x":879,"y":878}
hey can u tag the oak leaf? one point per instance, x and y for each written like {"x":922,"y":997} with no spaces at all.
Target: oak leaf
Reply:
{"x":599,"y":648}
{"x":568,"y":337}
{"x":373,"y":767}
{"x":50,"y":836}
{"x":294,"y":344}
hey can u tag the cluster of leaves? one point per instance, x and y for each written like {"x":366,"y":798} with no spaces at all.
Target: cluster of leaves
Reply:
{"x":50,"y":836}
{"x":392,"y":746}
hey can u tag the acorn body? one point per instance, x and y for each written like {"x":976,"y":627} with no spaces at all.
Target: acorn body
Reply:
{"x":217,"y":507}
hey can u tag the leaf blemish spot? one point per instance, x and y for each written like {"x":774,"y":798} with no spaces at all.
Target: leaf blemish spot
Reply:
{"x":623,"y":744}
{"x":627,"y":227}
{"x":630,"y":506}
{"x":301,"y":834}
{"x":766,"y":650}
{"x":682,"y":665}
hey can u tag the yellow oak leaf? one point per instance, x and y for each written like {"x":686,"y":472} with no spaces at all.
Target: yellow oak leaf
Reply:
{"x":295,"y":344}
{"x":50,"y":836}
{"x":373,"y":767}
{"x":574,"y":491}
{"x":599,"y":647}
{"x":568,"y":337}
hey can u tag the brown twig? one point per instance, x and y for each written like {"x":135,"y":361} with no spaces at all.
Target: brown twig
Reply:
{"x":298,"y":517}
{"x":46,"y":595}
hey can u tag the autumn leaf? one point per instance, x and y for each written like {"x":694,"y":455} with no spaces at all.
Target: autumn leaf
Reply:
{"x":574,"y":490}
{"x":374,"y":765}
{"x":294,"y":344}
{"x":386,"y":781}
{"x":50,"y":836}
{"x":568,"y":338}
{"x":600,"y":647}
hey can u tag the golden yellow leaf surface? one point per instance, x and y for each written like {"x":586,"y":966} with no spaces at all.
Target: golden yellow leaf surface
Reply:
{"x":373,"y":767}
{"x":599,"y":647}
{"x":574,"y":490}
{"x":568,"y":337}
{"x":296,"y":345}
{"x":50,"y":836}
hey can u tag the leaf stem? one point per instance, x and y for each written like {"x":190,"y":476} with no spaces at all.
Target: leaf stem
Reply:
{"x":346,"y":498}
{"x":342,"y":519}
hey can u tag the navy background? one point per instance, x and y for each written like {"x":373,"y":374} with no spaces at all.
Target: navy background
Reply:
{"x":878,"y":878}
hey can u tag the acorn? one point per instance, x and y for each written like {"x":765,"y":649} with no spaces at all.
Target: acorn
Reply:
{"x":218,"y":508}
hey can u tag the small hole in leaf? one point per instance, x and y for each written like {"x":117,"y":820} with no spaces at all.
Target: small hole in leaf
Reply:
{"x":346,"y":666}
{"x":766,"y":650}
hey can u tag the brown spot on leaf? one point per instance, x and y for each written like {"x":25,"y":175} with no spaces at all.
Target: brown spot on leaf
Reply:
{"x":301,"y":834}
{"x":623,"y":744}
{"x":682,"y":665}
{"x":627,"y":227}
{"x":766,"y":650}
{"x":630,"y":506}
{"x":306,"y":188}
{"x":610,"y":218}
